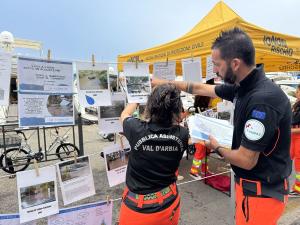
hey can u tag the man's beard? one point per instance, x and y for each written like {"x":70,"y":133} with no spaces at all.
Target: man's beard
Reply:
{"x":229,"y":77}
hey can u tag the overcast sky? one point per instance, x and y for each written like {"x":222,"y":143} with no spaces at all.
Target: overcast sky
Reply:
{"x":74,"y":29}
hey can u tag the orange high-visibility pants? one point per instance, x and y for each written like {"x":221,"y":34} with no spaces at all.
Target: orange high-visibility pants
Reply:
{"x":256,"y":210}
{"x":295,"y":155}
{"x":169,"y":216}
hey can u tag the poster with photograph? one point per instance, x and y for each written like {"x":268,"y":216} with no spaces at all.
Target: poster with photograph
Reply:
{"x":5,"y":74}
{"x":45,"y":76}
{"x":116,"y":160}
{"x":114,"y":83}
{"x":45,"y":110}
{"x":37,"y":195}
{"x":99,"y":213}
{"x":137,"y":81}
{"x":192,"y":69}
{"x":109,"y":116}
{"x":76,"y":179}
{"x":13,"y":219}
{"x":165,"y":70}
{"x":209,"y":69}
{"x":93,"y":84}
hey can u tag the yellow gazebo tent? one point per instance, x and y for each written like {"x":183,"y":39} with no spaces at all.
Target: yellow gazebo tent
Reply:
{"x":277,"y":51}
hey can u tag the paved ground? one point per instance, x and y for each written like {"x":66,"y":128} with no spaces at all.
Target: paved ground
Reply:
{"x":201,"y":205}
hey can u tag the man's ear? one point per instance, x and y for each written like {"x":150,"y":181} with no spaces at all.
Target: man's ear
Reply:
{"x":235,"y":64}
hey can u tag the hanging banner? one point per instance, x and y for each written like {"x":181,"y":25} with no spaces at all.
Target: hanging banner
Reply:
{"x":210,"y":69}
{"x":90,"y":214}
{"x":76,"y":179}
{"x":137,"y":81}
{"x":116,"y":160}
{"x":192,"y":69}
{"x":37,"y":194}
{"x":13,"y":219}
{"x":93,"y":84}
{"x":5,"y":74}
{"x":109,"y":116}
{"x":165,"y":70}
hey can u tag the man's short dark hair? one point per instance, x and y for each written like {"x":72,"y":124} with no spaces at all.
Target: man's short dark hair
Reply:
{"x":235,"y":43}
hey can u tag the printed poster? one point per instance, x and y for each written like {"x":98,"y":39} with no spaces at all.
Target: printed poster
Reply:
{"x":13,"y":219}
{"x":137,"y":81}
{"x":209,"y":69}
{"x":109,"y":116}
{"x":90,"y":214}
{"x":37,"y":195}
{"x":76,"y":179}
{"x":93,"y":84}
{"x":5,"y":74}
{"x":165,"y":70}
{"x":116,"y":160}
{"x":192,"y":69}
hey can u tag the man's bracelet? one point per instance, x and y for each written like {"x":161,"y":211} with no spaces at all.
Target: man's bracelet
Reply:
{"x":216,"y":150}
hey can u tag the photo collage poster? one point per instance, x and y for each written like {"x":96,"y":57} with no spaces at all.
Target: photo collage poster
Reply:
{"x":93,"y":84}
{"x":137,"y":81}
{"x":37,"y":194}
{"x":209,"y":69}
{"x":165,"y":70}
{"x":116,"y":160}
{"x":95,"y":213}
{"x":109,"y":116}
{"x":192,"y":69}
{"x":45,"y":92}
{"x":5,"y":74}
{"x":76,"y":179}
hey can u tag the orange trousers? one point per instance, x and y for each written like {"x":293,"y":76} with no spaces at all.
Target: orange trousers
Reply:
{"x":169,"y":216}
{"x":295,"y":155}
{"x":256,"y":210}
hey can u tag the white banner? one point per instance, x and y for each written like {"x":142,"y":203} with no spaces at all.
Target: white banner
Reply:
{"x":192,"y":69}
{"x":5,"y":74}
{"x":37,"y":195}
{"x":165,"y":70}
{"x":209,"y":69}
{"x":93,"y":84}
{"x":137,"y":81}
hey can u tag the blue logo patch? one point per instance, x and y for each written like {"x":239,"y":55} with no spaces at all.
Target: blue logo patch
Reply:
{"x":258,"y":114}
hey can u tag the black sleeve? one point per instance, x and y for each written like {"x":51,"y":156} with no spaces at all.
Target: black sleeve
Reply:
{"x":260,"y":128}
{"x":185,"y":137}
{"x":225,"y":91}
{"x":128,"y":127}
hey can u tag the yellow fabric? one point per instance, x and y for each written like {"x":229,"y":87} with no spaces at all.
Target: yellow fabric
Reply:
{"x":278,"y":52}
{"x":22,"y":43}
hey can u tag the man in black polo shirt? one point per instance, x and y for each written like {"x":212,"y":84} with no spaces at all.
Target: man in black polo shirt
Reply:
{"x":260,"y":149}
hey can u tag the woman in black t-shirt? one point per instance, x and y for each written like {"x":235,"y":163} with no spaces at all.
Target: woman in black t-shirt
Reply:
{"x":157,"y":146}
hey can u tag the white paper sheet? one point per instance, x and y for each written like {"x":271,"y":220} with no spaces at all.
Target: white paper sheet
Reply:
{"x":37,"y":195}
{"x":201,"y":127}
{"x":76,"y":179}
{"x":116,"y":160}
{"x":209,"y":68}
{"x":109,"y":116}
{"x":137,"y":82}
{"x":13,"y":219}
{"x":93,"y":84}
{"x":165,"y":70}
{"x":90,"y":214}
{"x":192,"y":69}
{"x":5,"y":74}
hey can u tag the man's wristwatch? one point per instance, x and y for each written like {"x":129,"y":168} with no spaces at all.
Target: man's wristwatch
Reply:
{"x":216,"y":150}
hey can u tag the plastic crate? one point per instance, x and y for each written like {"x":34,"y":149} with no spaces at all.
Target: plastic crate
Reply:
{"x":11,"y":140}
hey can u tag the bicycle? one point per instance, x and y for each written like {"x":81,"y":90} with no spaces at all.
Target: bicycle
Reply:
{"x":18,"y":158}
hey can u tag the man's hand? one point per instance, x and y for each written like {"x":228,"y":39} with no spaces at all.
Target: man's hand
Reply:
{"x":212,"y":143}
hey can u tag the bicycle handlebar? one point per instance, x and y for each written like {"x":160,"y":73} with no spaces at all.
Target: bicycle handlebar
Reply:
{"x":21,"y":132}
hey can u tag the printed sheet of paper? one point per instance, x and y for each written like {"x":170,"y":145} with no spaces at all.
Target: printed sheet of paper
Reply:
{"x":13,"y":219}
{"x":209,"y":69}
{"x":5,"y":74}
{"x":37,"y":195}
{"x":165,"y":70}
{"x":137,"y":81}
{"x":116,"y":160}
{"x":109,"y":116}
{"x":192,"y":69}
{"x":93,"y":84}
{"x":90,"y":214}
{"x":201,"y":127}
{"x":76,"y":179}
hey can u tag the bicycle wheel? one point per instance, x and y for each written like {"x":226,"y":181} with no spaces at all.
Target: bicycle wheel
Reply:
{"x":16,"y":160}
{"x":66,"y":150}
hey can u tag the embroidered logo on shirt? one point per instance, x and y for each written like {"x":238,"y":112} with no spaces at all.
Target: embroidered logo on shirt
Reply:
{"x":254,"y":130}
{"x":258,"y":114}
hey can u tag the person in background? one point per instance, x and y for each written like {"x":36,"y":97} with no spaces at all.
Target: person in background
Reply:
{"x":157,"y":146}
{"x":295,"y":145}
